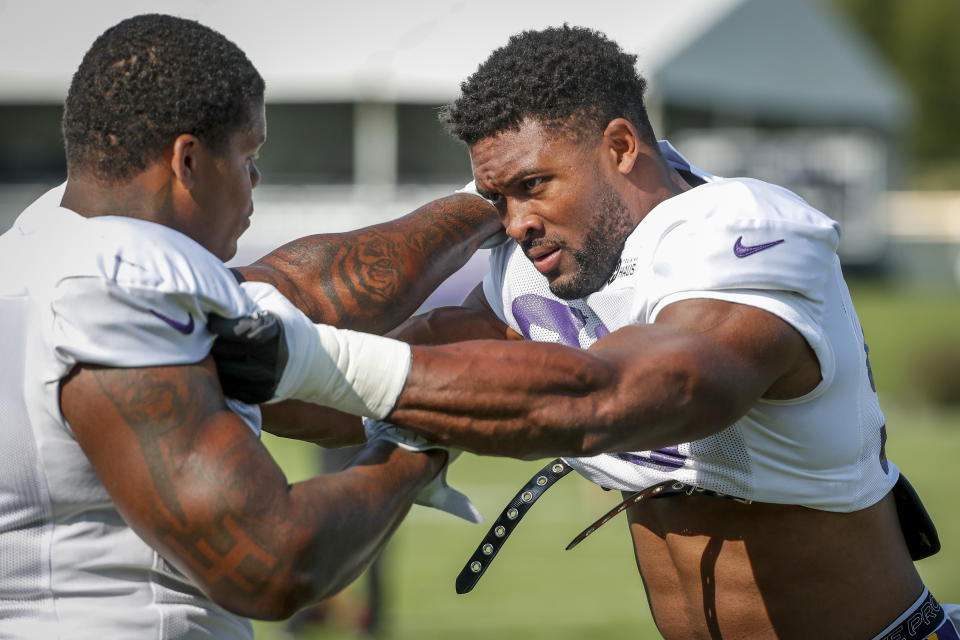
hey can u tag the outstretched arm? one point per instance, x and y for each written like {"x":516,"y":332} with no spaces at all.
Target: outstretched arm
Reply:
{"x":196,"y":483}
{"x":698,"y":369}
{"x":331,"y":428}
{"x":374,"y":278}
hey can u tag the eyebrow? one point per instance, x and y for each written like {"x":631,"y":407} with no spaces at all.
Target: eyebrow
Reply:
{"x":523,"y":174}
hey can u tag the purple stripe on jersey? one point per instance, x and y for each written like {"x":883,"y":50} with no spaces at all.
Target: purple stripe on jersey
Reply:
{"x":531,"y":310}
{"x":665,"y":459}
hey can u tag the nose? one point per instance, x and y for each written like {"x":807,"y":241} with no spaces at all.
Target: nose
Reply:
{"x":521,"y":221}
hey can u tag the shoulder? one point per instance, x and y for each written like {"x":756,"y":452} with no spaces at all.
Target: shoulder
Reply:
{"x":737,"y":216}
{"x":741,"y":234}
{"x":126,"y":253}
{"x":129,"y":293}
{"x":729,"y":201}
{"x":135,"y":255}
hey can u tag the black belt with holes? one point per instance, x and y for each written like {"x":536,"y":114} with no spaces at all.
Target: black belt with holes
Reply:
{"x":531,"y":491}
{"x":504,"y":525}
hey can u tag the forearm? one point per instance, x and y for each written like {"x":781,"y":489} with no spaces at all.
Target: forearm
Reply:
{"x":329,"y":427}
{"x":295,"y":545}
{"x":525,"y":400}
{"x":534,"y":400}
{"x":344,"y":519}
{"x":373,"y":278}
{"x":641,"y":387}
{"x":313,"y":423}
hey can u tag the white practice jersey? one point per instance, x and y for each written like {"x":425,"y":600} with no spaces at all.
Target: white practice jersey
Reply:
{"x":748,"y":242}
{"x":117,"y":292}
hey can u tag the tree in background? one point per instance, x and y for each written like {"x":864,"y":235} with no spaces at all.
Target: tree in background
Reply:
{"x":921,"y":41}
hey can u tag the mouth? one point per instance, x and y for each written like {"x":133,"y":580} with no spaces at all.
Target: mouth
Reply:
{"x":544,"y":257}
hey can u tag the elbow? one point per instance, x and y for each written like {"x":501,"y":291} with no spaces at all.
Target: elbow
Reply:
{"x":276,"y":600}
{"x":274,"y":609}
{"x":275,"y":591}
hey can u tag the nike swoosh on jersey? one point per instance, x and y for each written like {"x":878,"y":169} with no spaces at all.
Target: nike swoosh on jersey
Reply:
{"x":186,"y":328}
{"x":742,"y":251}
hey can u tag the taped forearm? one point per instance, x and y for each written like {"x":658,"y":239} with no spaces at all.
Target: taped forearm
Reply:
{"x":353,"y":372}
{"x":520,"y":399}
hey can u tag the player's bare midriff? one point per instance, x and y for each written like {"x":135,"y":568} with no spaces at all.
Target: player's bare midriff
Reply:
{"x":762,"y":569}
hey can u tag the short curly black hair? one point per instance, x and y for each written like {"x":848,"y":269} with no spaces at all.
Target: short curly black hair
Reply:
{"x":147,"y":80}
{"x":568,"y":77}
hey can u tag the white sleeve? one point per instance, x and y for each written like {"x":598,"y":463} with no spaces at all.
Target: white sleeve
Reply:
{"x":732,"y":253}
{"x":137,"y":295}
{"x":781,"y":266}
{"x":97,"y":321}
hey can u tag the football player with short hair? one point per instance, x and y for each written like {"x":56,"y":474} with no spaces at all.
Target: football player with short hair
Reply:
{"x":135,"y":499}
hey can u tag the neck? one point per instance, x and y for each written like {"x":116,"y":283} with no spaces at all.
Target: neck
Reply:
{"x":654,"y":181}
{"x":147,"y":196}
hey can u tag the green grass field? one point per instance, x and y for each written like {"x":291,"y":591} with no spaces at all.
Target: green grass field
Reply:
{"x":536,"y":590}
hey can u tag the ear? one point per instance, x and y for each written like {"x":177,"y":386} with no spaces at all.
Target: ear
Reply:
{"x":183,"y":159}
{"x":623,"y":144}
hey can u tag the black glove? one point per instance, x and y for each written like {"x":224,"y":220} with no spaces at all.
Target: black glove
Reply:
{"x":250,"y":353}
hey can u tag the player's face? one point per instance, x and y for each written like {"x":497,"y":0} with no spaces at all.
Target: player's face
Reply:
{"x":224,"y":194}
{"x":556,"y":199}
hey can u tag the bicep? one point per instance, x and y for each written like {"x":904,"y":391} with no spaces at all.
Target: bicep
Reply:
{"x":184,"y":472}
{"x":701,"y":366}
{"x":767,"y":353}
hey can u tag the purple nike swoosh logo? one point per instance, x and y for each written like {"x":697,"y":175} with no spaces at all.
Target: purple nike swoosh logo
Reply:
{"x":742,"y":251}
{"x":186,"y":328}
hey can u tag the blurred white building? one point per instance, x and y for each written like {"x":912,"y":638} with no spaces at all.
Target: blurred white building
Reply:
{"x":782,"y":90}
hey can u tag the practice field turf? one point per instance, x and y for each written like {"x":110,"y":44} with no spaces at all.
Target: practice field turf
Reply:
{"x":536,"y":590}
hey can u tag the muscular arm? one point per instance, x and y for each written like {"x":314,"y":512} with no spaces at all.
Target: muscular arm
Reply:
{"x":331,"y":428}
{"x":195,"y":483}
{"x":699,"y":368}
{"x":373,"y":278}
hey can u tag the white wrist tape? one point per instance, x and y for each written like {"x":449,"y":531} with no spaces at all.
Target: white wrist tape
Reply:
{"x":355,"y":372}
